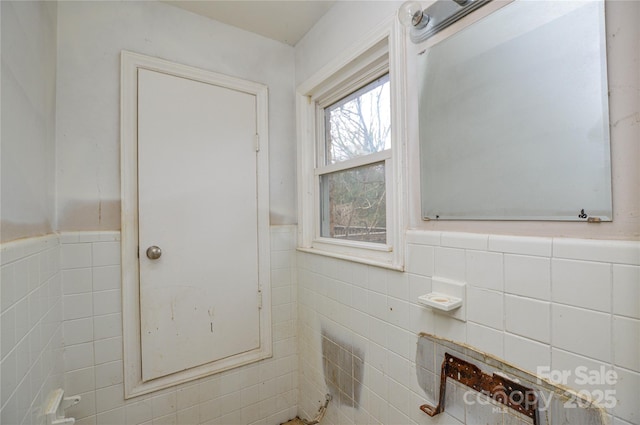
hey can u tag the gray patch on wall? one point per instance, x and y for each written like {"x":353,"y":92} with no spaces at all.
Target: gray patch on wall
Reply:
{"x":426,"y":366}
{"x":343,"y":366}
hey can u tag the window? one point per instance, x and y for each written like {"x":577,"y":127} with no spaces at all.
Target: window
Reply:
{"x":349,"y":161}
{"x":353,"y":197}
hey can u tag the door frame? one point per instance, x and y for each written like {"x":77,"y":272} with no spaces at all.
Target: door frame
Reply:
{"x":132,"y":349}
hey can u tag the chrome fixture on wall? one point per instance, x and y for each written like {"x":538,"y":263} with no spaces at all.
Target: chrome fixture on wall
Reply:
{"x":428,"y":22}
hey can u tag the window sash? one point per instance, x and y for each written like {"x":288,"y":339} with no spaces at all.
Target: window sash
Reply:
{"x":327,"y":111}
{"x":354,"y":162}
{"x":378,"y":73}
{"x":371,"y":184}
{"x":318,"y":241}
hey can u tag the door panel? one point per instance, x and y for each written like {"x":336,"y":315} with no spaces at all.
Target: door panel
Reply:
{"x":198,"y":202}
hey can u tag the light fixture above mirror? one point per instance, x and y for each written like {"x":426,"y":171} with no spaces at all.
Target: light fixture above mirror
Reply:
{"x":424,"y":23}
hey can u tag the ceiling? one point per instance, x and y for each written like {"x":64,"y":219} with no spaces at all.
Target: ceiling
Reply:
{"x":284,"y":21}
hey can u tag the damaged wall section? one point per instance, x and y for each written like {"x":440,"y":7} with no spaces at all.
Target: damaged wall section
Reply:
{"x":343,"y":366}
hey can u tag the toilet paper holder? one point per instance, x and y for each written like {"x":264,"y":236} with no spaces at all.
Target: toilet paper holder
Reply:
{"x":56,"y":405}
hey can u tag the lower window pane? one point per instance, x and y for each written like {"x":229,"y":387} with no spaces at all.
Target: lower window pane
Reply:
{"x":354,"y":204}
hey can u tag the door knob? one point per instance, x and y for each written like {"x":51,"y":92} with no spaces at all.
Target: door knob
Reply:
{"x":154,"y":252}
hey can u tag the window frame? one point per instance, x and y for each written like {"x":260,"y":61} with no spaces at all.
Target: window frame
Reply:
{"x":380,"y":52}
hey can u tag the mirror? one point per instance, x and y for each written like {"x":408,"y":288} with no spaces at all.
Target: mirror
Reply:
{"x":514,"y":119}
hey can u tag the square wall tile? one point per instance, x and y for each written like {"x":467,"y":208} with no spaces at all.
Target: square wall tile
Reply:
{"x":575,"y":369}
{"x":76,"y":281}
{"x":9,"y":382}
{"x":7,"y":332}
{"x":527,"y":276}
{"x":108,"y":374}
{"x":7,"y":286}
{"x":581,"y":331}
{"x":74,"y":256}
{"x":485,"y":339}
{"x":188,"y":416}
{"x":78,"y":306}
{"x":77,"y":331}
{"x":188,"y":396}
{"x":581,"y":284}
{"x":112,"y":417}
{"x":627,"y":406}
{"x":21,"y":309}
{"x":450,"y":328}
{"x":377,"y":279}
{"x":21,"y":279}
{"x":78,"y":356}
{"x":450,"y":263}
{"x":398,"y":285}
{"x":107,"y":326}
{"x":109,"y":398}
{"x":79,"y":381}
{"x":422,"y":319}
{"x":399,"y":313}
{"x":626,"y":291}
{"x":105,"y":253}
{"x":528,"y":317}
{"x":377,"y":305}
{"x":418,"y":285}
{"x":526,"y":353}
{"x":108,"y":350}
{"x":138,"y":412}
{"x":626,"y":343}
{"x":282,"y":241}
{"x":485,"y":307}
{"x":420,"y":259}
{"x":106,"y":277}
{"x":485,"y":270}
{"x":107,"y":302}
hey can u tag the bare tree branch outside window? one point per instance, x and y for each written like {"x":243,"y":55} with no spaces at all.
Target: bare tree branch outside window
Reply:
{"x":358,"y":125}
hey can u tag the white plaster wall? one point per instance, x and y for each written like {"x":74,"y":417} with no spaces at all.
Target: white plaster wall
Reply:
{"x":90,"y":38}
{"x":28,"y":118}
{"x":343,"y":24}
{"x":347,"y":22}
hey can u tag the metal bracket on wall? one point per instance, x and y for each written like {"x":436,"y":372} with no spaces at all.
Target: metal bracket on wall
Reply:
{"x":513,"y":395}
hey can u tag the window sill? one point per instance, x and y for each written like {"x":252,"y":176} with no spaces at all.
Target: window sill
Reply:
{"x":377,"y":262}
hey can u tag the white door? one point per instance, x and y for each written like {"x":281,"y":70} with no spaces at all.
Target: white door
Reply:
{"x":197,"y":202}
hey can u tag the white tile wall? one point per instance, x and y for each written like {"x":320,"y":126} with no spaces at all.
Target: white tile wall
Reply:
{"x":261,"y":393}
{"x":573,"y":309}
{"x":591,"y":280}
{"x":581,"y":331}
{"x":626,"y":290}
{"x":527,"y":276}
{"x":551,"y":302}
{"x":518,"y":314}
{"x":31,"y":362}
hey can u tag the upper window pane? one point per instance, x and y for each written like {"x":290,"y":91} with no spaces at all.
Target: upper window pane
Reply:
{"x":359,"y":124}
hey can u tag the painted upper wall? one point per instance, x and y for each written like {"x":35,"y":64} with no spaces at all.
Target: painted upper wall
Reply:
{"x":28,"y":119}
{"x":348,"y":22}
{"x":91,"y":36}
